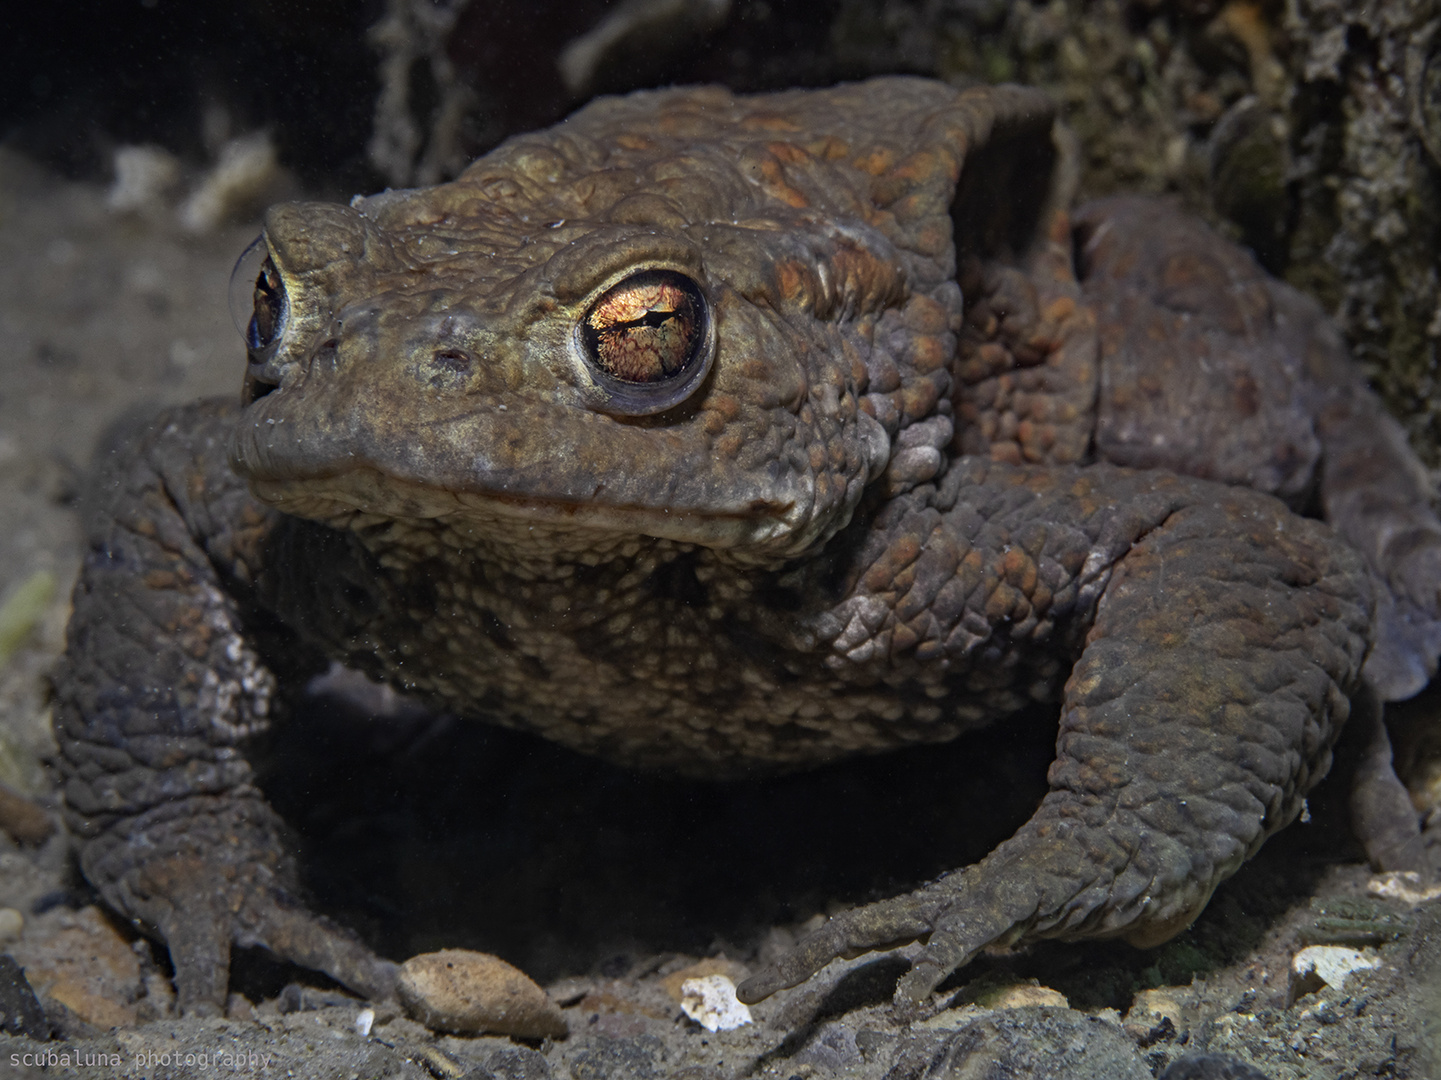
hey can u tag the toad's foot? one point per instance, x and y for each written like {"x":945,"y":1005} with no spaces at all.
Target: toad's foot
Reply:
{"x":1045,"y":876}
{"x":1382,"y":814}
{"x":212,"y":876}
{"x":1061,"y":876}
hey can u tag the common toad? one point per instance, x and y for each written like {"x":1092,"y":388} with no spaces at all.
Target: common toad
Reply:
{"x":723,"y":433}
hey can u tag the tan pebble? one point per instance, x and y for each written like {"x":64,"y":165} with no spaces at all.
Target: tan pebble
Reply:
{"x":1150,"y":1006}
{"x":26,"y":822}
{"x":1019,"y":997}
{"x":87,"y":967}
{"x":93,"y":1008}
{"x":471,"y":993}
{"x":11,"y":923}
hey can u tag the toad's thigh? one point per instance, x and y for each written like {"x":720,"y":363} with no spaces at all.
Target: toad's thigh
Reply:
{"x":1202,"y":362}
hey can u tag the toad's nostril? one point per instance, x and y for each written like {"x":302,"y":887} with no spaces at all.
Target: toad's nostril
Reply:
{"x":455,"y":361}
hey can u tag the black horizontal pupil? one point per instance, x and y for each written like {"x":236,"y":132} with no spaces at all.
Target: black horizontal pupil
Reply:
{"x":649,"y":320}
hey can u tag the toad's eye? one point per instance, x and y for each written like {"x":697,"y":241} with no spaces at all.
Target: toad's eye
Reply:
{"x":648,"y":340}
{"x":260,"y":316}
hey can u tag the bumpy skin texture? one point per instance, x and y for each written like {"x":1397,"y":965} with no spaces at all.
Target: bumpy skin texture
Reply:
{"x":876,"y":516}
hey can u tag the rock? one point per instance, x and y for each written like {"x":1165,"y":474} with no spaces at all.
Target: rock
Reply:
{"x":246,"y":176}
{"x":518,"y":1063}
{"x":1212,"y":1067}
{"x":833,"y":1047}
{"x":238,"y":1007}
{"x":637,"y":33}
{"x":471,"y":993}
{"x":1326,"y":965}
{"x":1249,"y":160}
{"x":144,"y":177}
{"x":640,"y":1058}
{"x":1035,"y":1043}
{"x":20,"y":1013}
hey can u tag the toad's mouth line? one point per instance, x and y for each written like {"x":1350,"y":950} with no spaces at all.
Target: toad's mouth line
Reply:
{"x":364,"y":495}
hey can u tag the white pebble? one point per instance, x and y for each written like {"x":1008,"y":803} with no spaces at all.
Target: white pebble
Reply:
{"x":1403,"y":885}
{"x":363,"y":1021}
{"x":712,"y":1003}
{"x":144,"y":175}
{"x":1330,"y":964}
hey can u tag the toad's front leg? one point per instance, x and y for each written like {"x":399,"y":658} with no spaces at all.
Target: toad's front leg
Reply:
{"x":158,"y":689}
{"x":1224,"y":642}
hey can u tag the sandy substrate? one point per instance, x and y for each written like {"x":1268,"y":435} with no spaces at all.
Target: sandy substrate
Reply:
{"x":423,"y":833}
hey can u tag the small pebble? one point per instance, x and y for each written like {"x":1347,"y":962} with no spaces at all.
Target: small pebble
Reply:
{"x":1149,"y":1006}
{"x":144,"y":175}
{"x":471,"y":993}
{"x":1326,"y":965}
{"x":1403,"y":885}
{"x":26,"y":822}
{"x":1024,"y":997}
{"x":364,"y":1020}
{"x":11,"y":923}
{"x":711,"y":1002}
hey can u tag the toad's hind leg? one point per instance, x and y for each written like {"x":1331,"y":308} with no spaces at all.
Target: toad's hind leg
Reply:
{"x":1213,"y":368}
{"x":1204,"y":705}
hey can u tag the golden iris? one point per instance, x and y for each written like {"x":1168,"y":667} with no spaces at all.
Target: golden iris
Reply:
{"x":648,"y":328}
